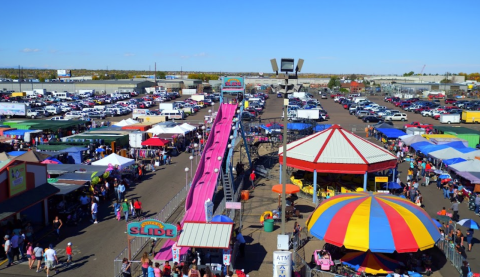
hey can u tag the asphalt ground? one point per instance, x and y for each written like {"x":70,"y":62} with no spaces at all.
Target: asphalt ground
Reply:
{"x":95,"y":246}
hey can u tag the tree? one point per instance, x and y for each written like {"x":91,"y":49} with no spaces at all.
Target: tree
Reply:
{"x":161,"y":75}
{"x":353,"y":77}
{"x":334,"y":82}
{"x":344,"y":90}
{"x":445,"y":81}
{"x":411,"y":73}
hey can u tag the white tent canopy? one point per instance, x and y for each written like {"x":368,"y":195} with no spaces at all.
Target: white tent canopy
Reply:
{"x":126,"y":122}
{"x":447,"y":153}
{"x":188,"y":127}
{"x":469,"y":166}
{"x":173,"y":130}
{"x":114,"y":160}
{"x":409,"y":139}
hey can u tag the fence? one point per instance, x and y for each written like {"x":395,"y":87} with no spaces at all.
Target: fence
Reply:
{"x":450,"y":252}
{"x":138,"y":243}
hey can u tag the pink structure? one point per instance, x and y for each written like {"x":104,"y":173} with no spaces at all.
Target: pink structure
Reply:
{"x":205,"y":179}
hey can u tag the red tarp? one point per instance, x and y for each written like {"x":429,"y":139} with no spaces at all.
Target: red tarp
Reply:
{"x":140,"y":127}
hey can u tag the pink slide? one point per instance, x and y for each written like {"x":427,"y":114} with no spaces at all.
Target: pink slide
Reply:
{"x":205,"y":180}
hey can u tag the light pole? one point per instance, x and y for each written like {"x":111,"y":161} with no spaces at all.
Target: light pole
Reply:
{"x":286,"y":65}
{"x":191,"y":166}
{"x":195,"y":150}
{"x":186,"y":178}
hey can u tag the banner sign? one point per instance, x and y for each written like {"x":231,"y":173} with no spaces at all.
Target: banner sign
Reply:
{"x":17,"y":179}
{"x":152,"y":228}
{"x":381,"y":179}
{"x":227,"y":256}
{"x":176,"y":253}
{"x":208,"y":210}
{"x":232,"y":82}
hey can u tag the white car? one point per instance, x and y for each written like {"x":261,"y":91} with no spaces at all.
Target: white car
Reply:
{"x":324,"y":96}
{"x":426,"y":113}
{"x":396,"y":117}
{"x":58,"y":118}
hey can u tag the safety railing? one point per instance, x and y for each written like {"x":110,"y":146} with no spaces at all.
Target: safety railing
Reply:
{"x":300,"y":265}
{"x":448,"y":248}
{"x":138,"y":243}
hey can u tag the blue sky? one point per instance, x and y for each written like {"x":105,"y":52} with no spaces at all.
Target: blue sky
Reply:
{"x":371,"y":37}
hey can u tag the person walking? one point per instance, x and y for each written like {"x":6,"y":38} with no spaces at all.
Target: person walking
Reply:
{"x":121,"y":191}
{"x":94,"y":211}
{"x":469,"y":237}
{"x":51,"y":256}
{"x":38,"y":254}
{"x":145,"y":261}
{"x":137,"y":205}
{"x":477,"y":204}
{"x":30,"y":256}
{"x":125,"y":209}
{"x":57,"y":224}
{"x":14,"y":245}
{"x":454,"y":208}
{"x":7,"y":247}
{"x":241,"y":241}
{"x":252,"y":178}
{"x":68,"y":251}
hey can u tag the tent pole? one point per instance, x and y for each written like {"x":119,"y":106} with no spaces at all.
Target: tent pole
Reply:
{"x":315,"y":186}
{"x":365,"y":181}
{"x":280,"y":175}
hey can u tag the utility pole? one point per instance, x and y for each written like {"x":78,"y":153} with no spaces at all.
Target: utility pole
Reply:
{"x":19,"y":78}
{"x":155,"y":74}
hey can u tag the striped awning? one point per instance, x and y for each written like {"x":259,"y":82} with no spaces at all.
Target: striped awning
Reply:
{"x":206,"y":235}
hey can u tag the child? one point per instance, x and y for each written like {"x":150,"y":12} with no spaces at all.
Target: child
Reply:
{"x":68,"y":250}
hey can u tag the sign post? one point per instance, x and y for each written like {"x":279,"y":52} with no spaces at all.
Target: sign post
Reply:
{"x":282,"y":264}
{"x":176,"y":253}
{"x":381,"y":179}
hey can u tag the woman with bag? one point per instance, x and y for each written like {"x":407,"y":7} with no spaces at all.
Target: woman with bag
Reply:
{"x":466,"y":272}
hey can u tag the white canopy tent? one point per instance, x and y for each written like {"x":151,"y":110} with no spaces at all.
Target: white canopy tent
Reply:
{"x":126,"y":122}
{"x":173,"y":130}
{"x":114,"y":160}
{"x":447,"y":153}
{"x":411,"y":139}
{"x":188,"y":127}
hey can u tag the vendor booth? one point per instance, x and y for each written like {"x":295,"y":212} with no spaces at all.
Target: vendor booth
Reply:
{"x":114,"y":160}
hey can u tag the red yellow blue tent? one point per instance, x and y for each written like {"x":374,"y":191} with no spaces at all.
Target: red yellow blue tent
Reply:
{"x":371,"y":263}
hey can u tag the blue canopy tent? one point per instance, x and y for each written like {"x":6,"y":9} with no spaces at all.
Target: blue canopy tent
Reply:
{"x":466,"y":150}
{"x":75,"y":154}
{"x":321,"y":127}
{"x":391,"y":133}
{"x":426,"y":149}
{"x":18,"y":132}
{"x":16,"y":153}
{"x":453,"y":161}
{"x":416,"y":145}
{"x":298,"y":126}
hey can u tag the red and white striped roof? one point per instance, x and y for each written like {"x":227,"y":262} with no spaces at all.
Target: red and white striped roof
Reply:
{"x":336,"y":150}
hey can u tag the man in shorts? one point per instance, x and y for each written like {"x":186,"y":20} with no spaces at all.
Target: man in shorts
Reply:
{"x":51,"y":258}
{"x":68,"y":250}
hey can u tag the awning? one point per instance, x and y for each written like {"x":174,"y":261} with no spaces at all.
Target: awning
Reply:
{"x":87,"y":176}
{"x":25,"y":200}
{"x":66,"y":188}
{"x":391,"y":133}
{"x":206,"y":235}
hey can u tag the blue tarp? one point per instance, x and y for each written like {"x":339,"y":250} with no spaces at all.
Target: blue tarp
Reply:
{"x":75,"y":154}
{"x":426,"y":149}
{"x":391,"y":133}
{"x":16,"y":153}
{"x":17,"y":132}
{"x":416,"y":145}
{"x":321,"y":127}
{"x":453,"y":161}
{"x":466,"y":150}
{"x":298,"y":126}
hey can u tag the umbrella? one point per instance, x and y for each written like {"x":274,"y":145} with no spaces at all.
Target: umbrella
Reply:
{"x":373,"y":221}
{"x":438,"y":224}
{"x":274,"y":125}
{"x":438,"y":171}
{"x":98,"y":150}
{"x":445,"y":176}
{"x":469,"y":223}
{"x":392,"y":185}
{"x":290,"y":189}
{"x":49,"y":162}
{"x":221,"y":218}
{"x":371,"y":263}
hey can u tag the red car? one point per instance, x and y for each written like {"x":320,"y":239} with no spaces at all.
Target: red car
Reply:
{"x":450,"y":101}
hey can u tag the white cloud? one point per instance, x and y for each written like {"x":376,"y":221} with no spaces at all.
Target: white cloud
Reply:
{"x":29,"y":50}
{"x":129,"y":54}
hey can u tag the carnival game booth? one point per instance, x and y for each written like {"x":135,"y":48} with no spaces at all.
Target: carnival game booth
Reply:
{"x":337,"y":151}
{"x":211,"y":244}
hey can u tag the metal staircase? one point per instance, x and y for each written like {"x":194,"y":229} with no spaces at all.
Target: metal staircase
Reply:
{"x":227,"y":187}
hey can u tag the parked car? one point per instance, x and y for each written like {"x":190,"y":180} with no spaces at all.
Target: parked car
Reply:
{"x":368,"y":119}
{"x":396,"y":117}
{"x":450,"y":101}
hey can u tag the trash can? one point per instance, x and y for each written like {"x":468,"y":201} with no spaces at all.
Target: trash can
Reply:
{"x":268,"y":225}
{"x":245,"y":195}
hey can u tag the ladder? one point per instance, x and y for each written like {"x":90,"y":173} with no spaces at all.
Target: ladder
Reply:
{"x":227,"y":187}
